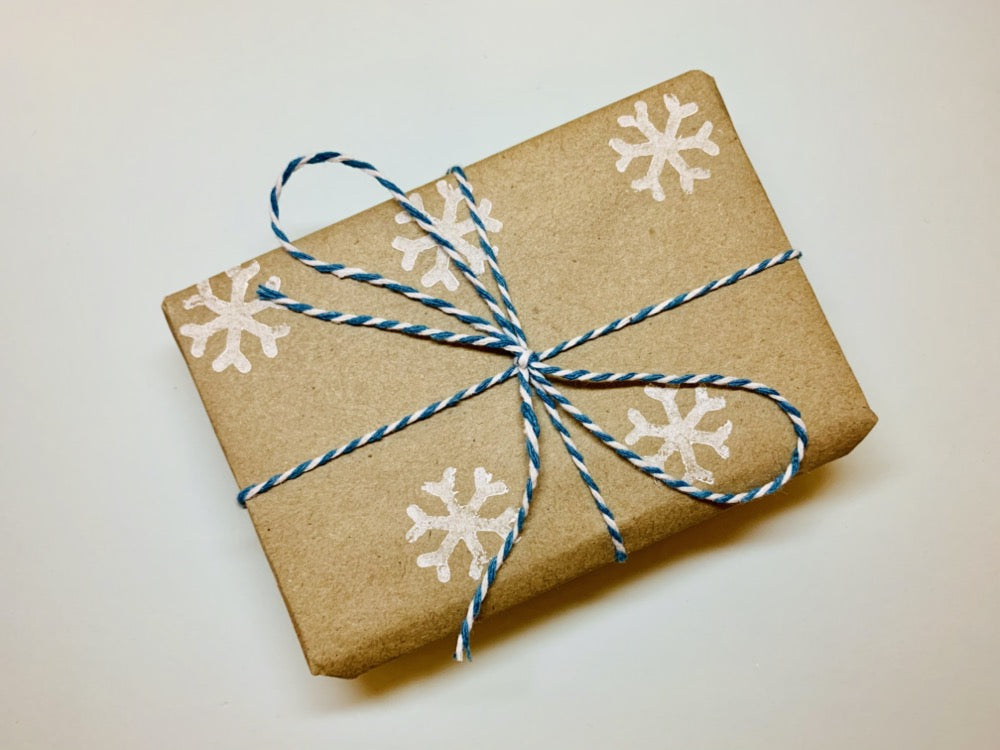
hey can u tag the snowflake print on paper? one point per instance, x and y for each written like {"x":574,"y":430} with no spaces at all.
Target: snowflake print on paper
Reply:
{"x":681,"y":434}
{"x":462,"y":524}
{"x":234,"y":316}
{"x":664,"y":147}
{"x":451,"y":228}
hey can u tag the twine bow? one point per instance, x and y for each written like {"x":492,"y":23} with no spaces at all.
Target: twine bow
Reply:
{"x":534,"y":377}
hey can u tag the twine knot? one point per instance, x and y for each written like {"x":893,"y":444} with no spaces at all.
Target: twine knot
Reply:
{"x":525,"y":359}
{"x":535,"y":378}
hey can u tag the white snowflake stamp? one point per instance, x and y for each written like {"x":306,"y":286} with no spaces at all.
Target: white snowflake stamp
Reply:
{"x":451,"y":228}
{"x":664,"y":147}
{"x":234,"y":316}
{"x":462,"y":524}
{"x":681,"y":434}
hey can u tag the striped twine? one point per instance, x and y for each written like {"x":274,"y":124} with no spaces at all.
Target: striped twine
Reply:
{"x":504,"y":333}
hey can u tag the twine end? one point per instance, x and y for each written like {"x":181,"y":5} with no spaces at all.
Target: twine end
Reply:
{"x":267,"y":293}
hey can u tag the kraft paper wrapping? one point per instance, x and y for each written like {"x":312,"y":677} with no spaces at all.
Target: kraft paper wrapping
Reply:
{"x":580,"y":246}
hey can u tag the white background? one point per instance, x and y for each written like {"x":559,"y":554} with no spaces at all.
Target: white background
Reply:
{"x":138,"y":143}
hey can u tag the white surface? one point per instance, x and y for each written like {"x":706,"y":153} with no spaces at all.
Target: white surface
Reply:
{"x":859,"y":610}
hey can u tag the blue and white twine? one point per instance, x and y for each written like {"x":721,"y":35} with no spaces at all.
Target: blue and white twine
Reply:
{"x":534,"y":378}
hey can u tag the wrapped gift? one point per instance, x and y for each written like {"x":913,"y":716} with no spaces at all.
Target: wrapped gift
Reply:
{"x":665,"y":360}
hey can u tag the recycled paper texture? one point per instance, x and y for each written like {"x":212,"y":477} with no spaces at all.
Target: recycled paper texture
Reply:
{"x":379,"y":551}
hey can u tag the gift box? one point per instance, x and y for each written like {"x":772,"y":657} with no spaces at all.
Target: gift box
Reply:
{"x":382,"y":549}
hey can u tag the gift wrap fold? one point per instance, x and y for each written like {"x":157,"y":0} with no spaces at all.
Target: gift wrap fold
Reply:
{"x":379,"y":551}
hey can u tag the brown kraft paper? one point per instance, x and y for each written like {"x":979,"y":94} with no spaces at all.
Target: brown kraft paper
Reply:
{"x":580,"y":246}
